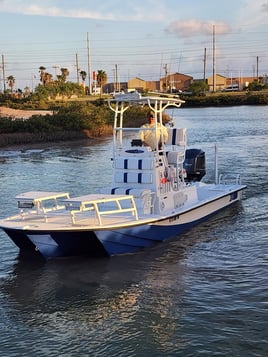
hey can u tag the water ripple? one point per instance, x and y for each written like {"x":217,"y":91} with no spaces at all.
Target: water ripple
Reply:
{"x":203,"y":294}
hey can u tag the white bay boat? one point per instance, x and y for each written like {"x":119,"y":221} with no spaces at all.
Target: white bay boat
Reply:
{"x":154,"y":195}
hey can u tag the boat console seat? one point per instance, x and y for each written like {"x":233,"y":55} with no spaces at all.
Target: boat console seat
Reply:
{"x":144,"y":198}
{"x":176,"y":137}
{"x":134,"y":163}
{"x":135,"y":192}
{"x":133,"y":177}
{"x":177,"y":144}
{"x":175,"y":157}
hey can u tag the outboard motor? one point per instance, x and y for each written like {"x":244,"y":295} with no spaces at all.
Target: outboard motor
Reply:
{"x":194,"y":164}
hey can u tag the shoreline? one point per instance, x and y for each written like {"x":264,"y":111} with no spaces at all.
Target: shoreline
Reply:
{"x":34,"y":139}
{"x":11,"y":113}
{"x":40,"y":134}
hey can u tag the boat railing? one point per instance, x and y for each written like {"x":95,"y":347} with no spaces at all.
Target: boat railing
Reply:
{"x":144,"y":197}
{"x":228,"y":179}
{"x":100,"y":205}
{"x":40,"y":203}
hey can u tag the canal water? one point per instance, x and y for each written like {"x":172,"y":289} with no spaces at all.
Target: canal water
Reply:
{"x":202,"y":294}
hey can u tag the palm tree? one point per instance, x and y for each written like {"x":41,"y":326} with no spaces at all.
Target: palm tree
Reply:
{"x":45,"y":77}
{"x":42,"y":71}
{"x":83,"y":75}
{"x":11,"y":82}
{"x":64,"y":74}
{"x":101,"y":79}
{"x":27,"y":91}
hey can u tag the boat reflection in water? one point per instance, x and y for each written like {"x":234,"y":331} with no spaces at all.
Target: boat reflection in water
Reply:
{"x":115,"y":292}
{"x":96,"y":292}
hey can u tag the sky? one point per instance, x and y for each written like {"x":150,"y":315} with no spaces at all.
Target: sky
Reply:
{"x":141,"y":38}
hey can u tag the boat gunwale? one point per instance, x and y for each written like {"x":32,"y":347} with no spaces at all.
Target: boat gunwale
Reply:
{"x":132,"y":223}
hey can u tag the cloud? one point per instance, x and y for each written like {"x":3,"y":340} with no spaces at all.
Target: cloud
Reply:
{"x":55,"y":12}
{"x":253,"y":13}
{"x":189,"y":28}
{"x":265,"y":7}
{"x":113,"y":10}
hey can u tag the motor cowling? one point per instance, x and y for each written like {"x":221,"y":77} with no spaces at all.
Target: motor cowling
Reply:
{"x":195,"y":164}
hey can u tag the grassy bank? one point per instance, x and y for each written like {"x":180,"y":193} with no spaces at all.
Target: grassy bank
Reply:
{"x":10,"y":139}
{"x":72,"y":120}
{"x":225,"y":99}
{"x":68,"y":121}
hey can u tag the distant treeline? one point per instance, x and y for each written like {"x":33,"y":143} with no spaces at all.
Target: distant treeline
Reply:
{"x":70,"y":121}
{"x":224,"y":99}
{"x":81,"y":119}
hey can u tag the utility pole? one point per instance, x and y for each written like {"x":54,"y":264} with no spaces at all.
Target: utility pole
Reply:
{"x":4,"y":72}
{"x":114,"y":89}
{"x":205,"y":63}
{"x":116,"y":79}
{"x":214,"y":60}
{"x":258,"y":69}
{"x":77,"y":67}
{"x":166,"y":73}
{"x":0,"y":81}
{"x":88,"y":65}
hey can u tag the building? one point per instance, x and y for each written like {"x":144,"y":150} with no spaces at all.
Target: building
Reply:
{"x":220,"y":83}
{"x":181,"y":82}
{"x":142,"y":85}
{"x":137,"y":83}
{"x":175,"y":81}
{"x":153,"y":86}
{"x":111,"y":87}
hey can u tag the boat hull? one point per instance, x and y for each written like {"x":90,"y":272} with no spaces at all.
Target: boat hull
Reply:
{"x":108,"y":242}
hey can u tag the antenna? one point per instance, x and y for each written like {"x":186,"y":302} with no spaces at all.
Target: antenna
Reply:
{"x":205,"y":63}
{"x":166,"y":73}
{"x":88,"y":65}
{"x":214,"y":60}
{"x":4,"y":74}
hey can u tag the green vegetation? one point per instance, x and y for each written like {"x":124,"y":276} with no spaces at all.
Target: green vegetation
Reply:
{"x":11,"y":82}
{"x":225,"y":99}
{"x":59,"y":90}
{"x":70,"y":120}
{"x":198,"y":88}
{"x":256,"y":86}
{"x":101,"y":79}
{"x":68,"y":116}
{"x":76,"y":115}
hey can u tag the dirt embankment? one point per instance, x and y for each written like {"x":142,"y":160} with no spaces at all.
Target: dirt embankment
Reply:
{"x":25,"y":138}
{"x":21,"y":114}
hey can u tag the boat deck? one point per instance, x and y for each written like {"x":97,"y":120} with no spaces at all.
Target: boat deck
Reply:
{"x":56,"y":211}
{"x":97,"y":211}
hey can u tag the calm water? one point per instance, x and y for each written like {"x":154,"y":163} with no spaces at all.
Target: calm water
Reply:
{"x":204,"y":294}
